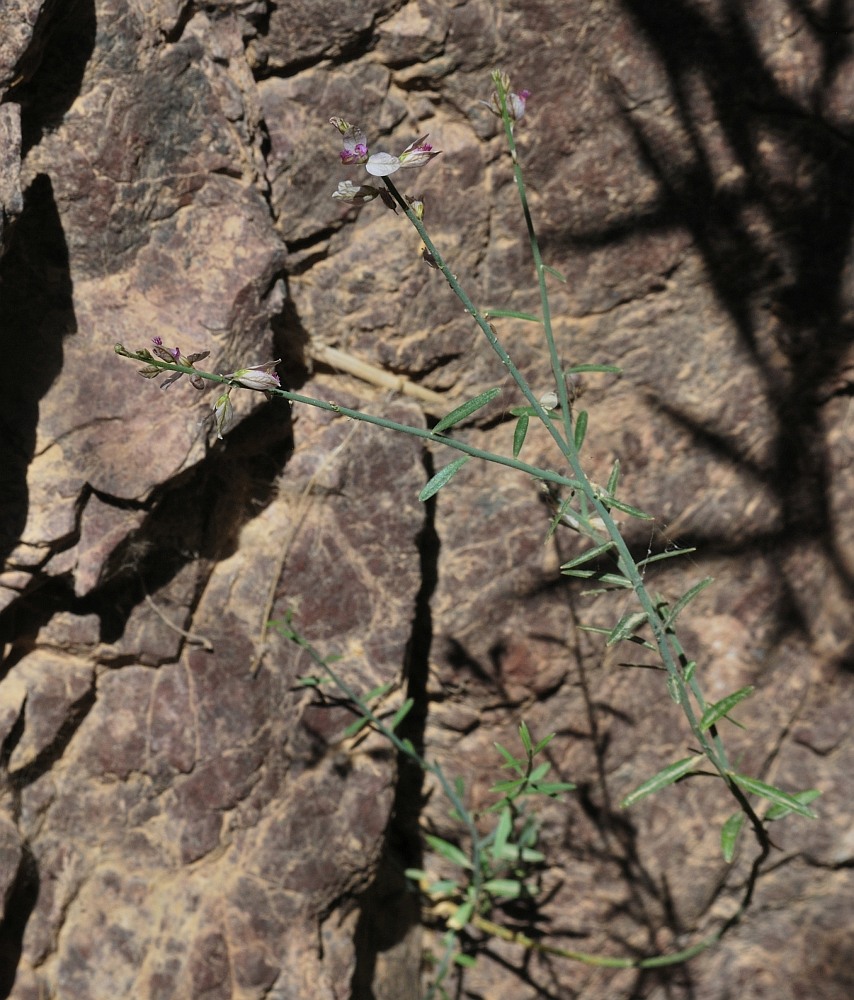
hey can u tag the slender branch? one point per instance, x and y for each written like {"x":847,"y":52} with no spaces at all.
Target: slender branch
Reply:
{"x":547,"y":475}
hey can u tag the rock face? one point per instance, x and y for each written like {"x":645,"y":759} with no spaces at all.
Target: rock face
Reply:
{"x":179,"y":816}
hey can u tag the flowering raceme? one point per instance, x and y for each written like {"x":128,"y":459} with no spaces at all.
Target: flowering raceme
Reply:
{"x":355,"y":150}
{"x":173,"y":355}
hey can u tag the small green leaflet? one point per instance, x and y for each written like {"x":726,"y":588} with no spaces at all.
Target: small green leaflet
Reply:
{"x":729,"y":835}
{"x":581,"y":369}
{"x":580,"y":429}
{"x":613,"y":479}
{"x":670,"y":554}
{"x":722,"y":708}
{"x":442,"y":477}
{"x":774,"y":795}
{"x":466,"y":409}
{"x":520,"y":433}
{"x":462,"y":916}
{"x":449,"y":851}
{"x":626,"y":627}
{"x":508,"y":888}
{"x":665,"y":777}
{"x":685,"y":600}
{"x":510,"y":314}
{"x":553,"y":273}
{"x":778,"y":811}
{"x":587,"y":556}
{"x":613,"y":502}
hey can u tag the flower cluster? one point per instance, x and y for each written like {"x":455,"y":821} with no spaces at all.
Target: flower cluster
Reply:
{"x":355,"y":151}
{"x":173,"y":356}
{"x":258,"y":377}
{"x":515,"y":103}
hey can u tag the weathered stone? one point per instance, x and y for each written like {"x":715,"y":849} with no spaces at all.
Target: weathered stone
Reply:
{"x":181,"y":817}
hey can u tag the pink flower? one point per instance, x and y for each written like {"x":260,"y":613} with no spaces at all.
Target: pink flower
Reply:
{"x":516,"y":104}
{"x":416,"y":154}
{"x":355,"y":142}
{"x":261,"y":377}
{"x":355,"y":150}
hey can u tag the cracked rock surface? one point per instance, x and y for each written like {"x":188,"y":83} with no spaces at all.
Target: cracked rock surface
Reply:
{"x":179,"y":816}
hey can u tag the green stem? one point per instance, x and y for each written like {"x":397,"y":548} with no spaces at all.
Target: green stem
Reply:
{"x":478,"y":317}
{"x":403,"y":746}
{"x":545,"y":306}
{"x":547,"y":475}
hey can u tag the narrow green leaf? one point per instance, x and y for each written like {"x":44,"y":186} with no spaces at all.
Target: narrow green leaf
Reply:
{"x":416,"y":874}
{"x":401,"y":714}
{"x":544,"y":743}
{"x":525,"y":736}
{"x":505,"y":787}
{"x":462,"y":916}
{"x":778,"y":811}
{"x":511,"y":314}
{"x":670,"y":554}
{"x":580,"y":429}
{"x":554,"y":273}
{"x":464,"y":961}
{"x":449,"y":851}
{"x":685,"y":600}
{"x":594,"y":629}
{"x":626,"y":508}
{"x":442,"y":477}
{"x":615,"y":580}
{"x":674,"y":689}
{"x":540,"y":771}
{"x":505,"y":887}
{"x":516,"y":763}
{"x":587,"y":556}
{"x":582,"y":574}
{"x":466,"y":409}
{"x":311,"y":680}
{"x":729,"y":835}
{"x":512,"y":852}
{"x":613,"y":479}
{"x":626,"y":627}
{"x":552,"y":788}
{"x":690,"y":669}
{"x":503,"y":829}
{"x":723,"y":707}
{"x":356,"y":727}
{"x":667,"y":776}
{"x":520,"y":433}
{"x":607,"y":369}
{"x":774,"y":795}
{"x":442,"y":887}
{"x":378,"y":692}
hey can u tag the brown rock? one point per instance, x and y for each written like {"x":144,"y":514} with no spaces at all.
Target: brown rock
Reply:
{"x":180,"y":816}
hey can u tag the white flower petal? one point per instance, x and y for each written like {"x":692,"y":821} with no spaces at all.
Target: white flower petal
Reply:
{"x":382,"y":164}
